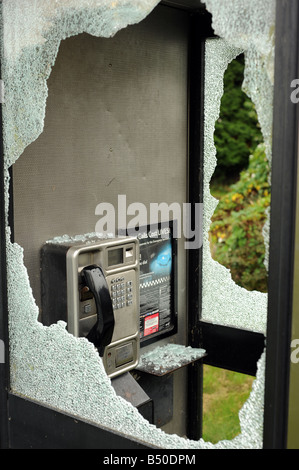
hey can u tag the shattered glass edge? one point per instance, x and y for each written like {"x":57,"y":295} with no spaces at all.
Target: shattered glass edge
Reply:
{"x":47,"y":363}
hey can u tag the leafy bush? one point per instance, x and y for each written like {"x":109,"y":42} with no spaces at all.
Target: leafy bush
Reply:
{"x":236,"y":229}
{"x":237,"y":131}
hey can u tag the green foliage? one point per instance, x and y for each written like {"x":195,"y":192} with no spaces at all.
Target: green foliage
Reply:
{"x":236,"y":236}
{"x":237,"y":130}
{"x":236,"y":229}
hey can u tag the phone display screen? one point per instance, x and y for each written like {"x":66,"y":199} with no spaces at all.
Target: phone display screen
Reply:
{"x":115,"y":256}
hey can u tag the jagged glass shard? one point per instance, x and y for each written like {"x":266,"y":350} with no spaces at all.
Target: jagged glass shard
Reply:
{"x":224,"y":302}
{"x":245,"y":27}
{"x":47,"y":363}
{"x":253,"y":30}
{"x":32,"y":32}
{"x":87,"y":238}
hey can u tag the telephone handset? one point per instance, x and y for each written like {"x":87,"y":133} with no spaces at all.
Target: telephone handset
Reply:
{"x":94,"y":287}
{"x":101,"y":333}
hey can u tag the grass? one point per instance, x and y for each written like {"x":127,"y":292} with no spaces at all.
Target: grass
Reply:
{"x":225,"y":392}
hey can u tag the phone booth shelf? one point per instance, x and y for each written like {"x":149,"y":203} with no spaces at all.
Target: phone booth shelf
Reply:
{"x":168,"y":358}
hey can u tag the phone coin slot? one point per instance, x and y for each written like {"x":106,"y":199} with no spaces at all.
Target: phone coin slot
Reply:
{"x":129,"y":253}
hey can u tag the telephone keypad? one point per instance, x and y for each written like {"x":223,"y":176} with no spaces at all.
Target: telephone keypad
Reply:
{"x":121,"y":292}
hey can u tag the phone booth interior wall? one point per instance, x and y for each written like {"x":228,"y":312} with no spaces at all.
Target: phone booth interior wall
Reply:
{"x":96,"y":106}
{"x":133,"y":141}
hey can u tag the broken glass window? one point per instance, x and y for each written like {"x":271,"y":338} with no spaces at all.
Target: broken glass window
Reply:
{"x":47,"y":363}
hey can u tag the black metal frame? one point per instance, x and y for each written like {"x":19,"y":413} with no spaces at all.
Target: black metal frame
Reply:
{"x":283,"y":220}
{"x":227,"y":347}
{"x":36,"y":426}
{"x":232,"y":348}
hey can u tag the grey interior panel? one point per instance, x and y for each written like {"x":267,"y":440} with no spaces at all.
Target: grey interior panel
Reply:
{"x":116,"y":124}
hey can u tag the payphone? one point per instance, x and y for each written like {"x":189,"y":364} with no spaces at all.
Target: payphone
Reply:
{"x":94,"y":287}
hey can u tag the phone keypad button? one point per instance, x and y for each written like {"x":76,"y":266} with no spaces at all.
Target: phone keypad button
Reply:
{"x":121,"y":292}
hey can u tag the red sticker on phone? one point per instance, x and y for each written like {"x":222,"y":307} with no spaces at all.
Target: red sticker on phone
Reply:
{"x":151,"y":324}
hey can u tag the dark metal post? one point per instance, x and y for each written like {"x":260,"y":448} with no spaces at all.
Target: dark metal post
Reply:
{"x":200,"y":29}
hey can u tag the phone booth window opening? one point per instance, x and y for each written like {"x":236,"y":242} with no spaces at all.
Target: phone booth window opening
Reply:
{"x":47,"y":363}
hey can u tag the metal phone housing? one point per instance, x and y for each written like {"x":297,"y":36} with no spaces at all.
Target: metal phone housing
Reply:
{"x":65,"y":295}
